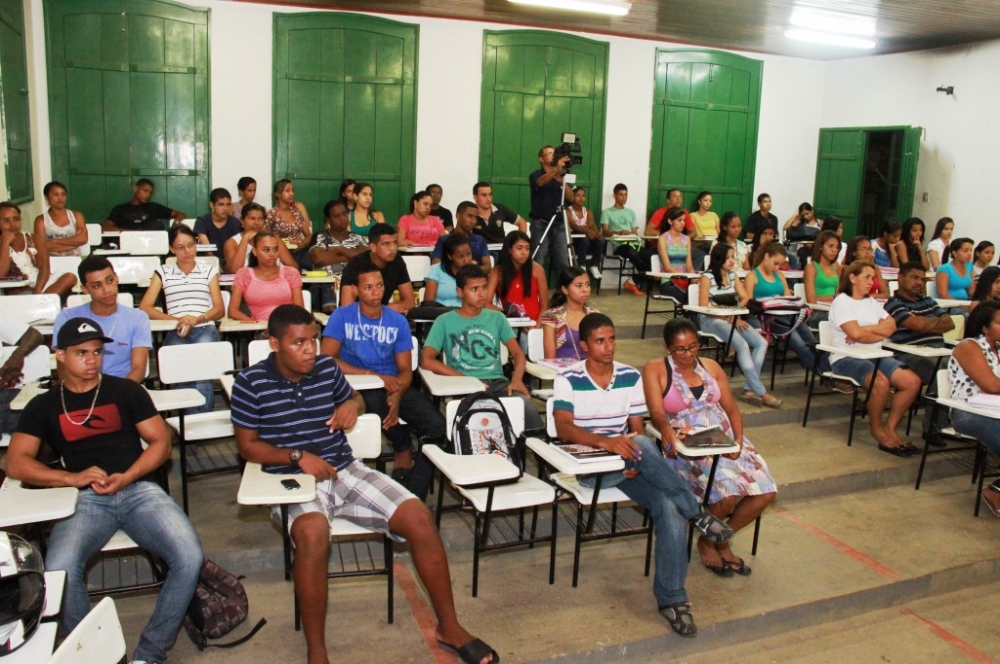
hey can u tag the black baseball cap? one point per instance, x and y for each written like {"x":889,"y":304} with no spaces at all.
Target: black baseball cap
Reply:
{"x":80,"y":330}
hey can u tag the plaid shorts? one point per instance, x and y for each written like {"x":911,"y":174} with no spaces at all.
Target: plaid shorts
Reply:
{"x":364,"y":497}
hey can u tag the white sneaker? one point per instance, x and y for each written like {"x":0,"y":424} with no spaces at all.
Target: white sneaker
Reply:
{"x":595,"y":272}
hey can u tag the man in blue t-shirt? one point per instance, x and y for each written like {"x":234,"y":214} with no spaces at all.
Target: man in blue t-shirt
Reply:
{"x":466,"y":219}
{"x":128,"y":355}
{"x":289,"y":413}
{"x":368,"y":338}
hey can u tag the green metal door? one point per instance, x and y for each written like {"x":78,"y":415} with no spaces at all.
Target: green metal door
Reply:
{"x":129,"y":99}
{"x":706,"y":107}
{"x":537,"y":85}
{"x":14,"y":101}
{"x":345,"y":106}
{"x":840,"y":169}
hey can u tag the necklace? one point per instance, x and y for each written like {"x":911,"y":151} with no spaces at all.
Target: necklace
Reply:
{"x":62,"y":398}
{"x":572,"y":341}
{"x":362,"y":329}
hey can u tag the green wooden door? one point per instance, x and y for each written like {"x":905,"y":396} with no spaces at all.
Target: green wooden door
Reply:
{"x":840,"y":169}
{"x":537,"y":85}
{"x":345,"y":106}
{"x":14,"y":102}
{"x":908,"y":172}
{"x":706,"y":107}
{"x":129,"y":99}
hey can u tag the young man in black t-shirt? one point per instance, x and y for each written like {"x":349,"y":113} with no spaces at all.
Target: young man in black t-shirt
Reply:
{"x":140,"y":214}
{"x":382,"y":253}
{"x":97,"y":424}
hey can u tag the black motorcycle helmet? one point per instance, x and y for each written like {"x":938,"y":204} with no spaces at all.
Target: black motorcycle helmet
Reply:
{"x":22,"y":591}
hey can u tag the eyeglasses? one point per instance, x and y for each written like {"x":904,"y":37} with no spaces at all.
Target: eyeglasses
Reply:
{"x":693,"y":348}
{"x":184,"y":247}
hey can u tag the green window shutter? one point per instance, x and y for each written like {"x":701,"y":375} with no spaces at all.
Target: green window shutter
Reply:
{"x":129,"y":98}
{"x":14,"y":102}
{"x":345,"y":106}
{"x":537,"y":85}
{"x":840,"y":168}
{"x":706,"y":107}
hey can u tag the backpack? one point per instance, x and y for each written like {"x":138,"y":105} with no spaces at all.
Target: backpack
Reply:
{"x":780,"y":315}
{"x":219,"y":604}
{"x":482,"y":426}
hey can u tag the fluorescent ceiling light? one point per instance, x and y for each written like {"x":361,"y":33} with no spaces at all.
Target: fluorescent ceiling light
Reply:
{"x":816,"y":36}
{"x":835,"y":22}
{"x":610,"y":7}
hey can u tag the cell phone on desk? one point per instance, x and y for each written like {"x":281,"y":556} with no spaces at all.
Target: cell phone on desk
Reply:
{"x":291,"y":485}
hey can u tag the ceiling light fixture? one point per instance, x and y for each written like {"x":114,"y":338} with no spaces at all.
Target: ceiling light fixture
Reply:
{"x":609,"y":7}
{"x":835,"y":22}
{"x":831,"y":38}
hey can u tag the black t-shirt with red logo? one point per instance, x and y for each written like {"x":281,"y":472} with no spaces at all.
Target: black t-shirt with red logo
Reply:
{"x":107,"y":439}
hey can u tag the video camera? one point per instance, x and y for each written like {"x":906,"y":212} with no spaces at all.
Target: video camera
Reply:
{"x":570,"y":148}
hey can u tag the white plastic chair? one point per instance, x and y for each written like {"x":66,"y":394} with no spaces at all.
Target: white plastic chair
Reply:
{"x":196,"y":362}
{"x":943,"y":400}
{"x":37,"y":364}
{"x":653,"y":293}
{"x":135,"y":270}
{"x":259,"y":349}
{"x":417,"y":267}
{"x":144,"y":243}
{"x":479,"y":480}
{"x":75,"y":300}
{"x":94,"y":239}
{"x":31,"y":309}
{"x":60,"y":265}
{"x":97,"y":639}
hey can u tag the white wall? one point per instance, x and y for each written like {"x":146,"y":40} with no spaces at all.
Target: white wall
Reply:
{"x":448,"y":108}
{"x":958,"y":155}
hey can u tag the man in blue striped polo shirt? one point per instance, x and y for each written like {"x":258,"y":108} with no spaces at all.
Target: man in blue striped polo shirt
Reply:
{"x":289,"y":414}
{"x":600,"y":402}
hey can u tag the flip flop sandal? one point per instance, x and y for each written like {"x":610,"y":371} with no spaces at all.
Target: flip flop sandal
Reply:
{"x":752,"y":399}
{"x":472,"y":652}
{"x":738,"y":566}
{"x":722,"y":570}
{"x":680,"y":618}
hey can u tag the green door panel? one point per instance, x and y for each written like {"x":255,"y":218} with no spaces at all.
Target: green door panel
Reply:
{"x":908,"y":172}
{"x":129,"y":98}
{"x":840,"y":168}
{"x":537,"y":85}
{"x":706,"y":107}
{"x":14,"y":102}
{"x":345,"y":106}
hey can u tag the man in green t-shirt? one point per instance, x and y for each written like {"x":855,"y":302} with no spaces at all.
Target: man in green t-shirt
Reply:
{"x":616,"y":221}
{"x":470,"y":339}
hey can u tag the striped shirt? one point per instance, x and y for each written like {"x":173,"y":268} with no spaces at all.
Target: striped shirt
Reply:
{"x":293,"y":415}
{"x":187,"y":294}
{"x":901,"y":309}
{"x":596,"y":409}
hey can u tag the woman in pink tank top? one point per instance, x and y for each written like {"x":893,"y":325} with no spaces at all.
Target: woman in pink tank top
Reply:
{"x":264,"y":285}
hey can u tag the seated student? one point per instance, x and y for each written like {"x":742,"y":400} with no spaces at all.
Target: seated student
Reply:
{"x":471,"y":337}
{"x":860,"y":249}
{"x":731,"y":226}
{"x":97,"y":423}
{"x":490,"y":216}
{"x":886,"y":245}
{"x":219,"y":224}
{"x":64,"y":230}
{"x":954,"y":278}
{"x":987,"y":287}
{"x":335,"y":245}
{"x":982,"y":257}
{"x":239,"y":248}
{"x":383,"y":253}
{"x":655,"y":226}
{"x":289,"y":220}
{"x":369,"y":338}
{"x":588,"y":241}
{"x":518,"y":282}
{"x":911,"y":245}
{"x":822,"y":275}
{"x":246,"y":187}
{"x":140,"y":214}
{"x":466,"y":225}
{"x":619,"y":220}
{"x":600,"y":402}
{"x":26,"y":256}
{"x":127,"y":356}
{"x":761,"y":219}
{"x":835,"y":225}
{"x":859,"y":321}
{"x":684,"y":390}
{"x":938,"y":248}
{"x":974,"y":369}
{"x":264,"y":284}
{"x":440,"y":282}
{"x":281,"y":409}
{"x":921,"y":322}
{"x":363,"y":215}
{"x":561,"y":322}
{"x":419,"y":228}
{"x":27,"y":339}
{"x":674,"y":249}
{"x":442,"y":213}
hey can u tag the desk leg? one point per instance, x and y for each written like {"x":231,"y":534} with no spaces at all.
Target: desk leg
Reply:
{"x":868,"y":394}
{"x":704,"y":501}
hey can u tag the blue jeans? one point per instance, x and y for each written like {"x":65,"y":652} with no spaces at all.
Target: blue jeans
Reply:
{"x":983,"y":429}
{"x":801,"y":341}
{"x":553,"y":246}
{"x":415,"y":408}
{"x":154,"y":521}
{"x":670,"y":502}
{"x":750,"y":347}
{"x":197,"y":335}
{"x":583,"y":247}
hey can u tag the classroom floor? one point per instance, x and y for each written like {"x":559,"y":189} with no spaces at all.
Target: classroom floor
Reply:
{"x":853,"y":565}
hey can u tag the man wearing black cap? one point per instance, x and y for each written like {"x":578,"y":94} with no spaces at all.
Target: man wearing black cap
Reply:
{"x":97,"y":424}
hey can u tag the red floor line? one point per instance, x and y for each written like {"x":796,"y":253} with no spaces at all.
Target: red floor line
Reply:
{"x":840,"y":545}
{"x":422,"y":613}
{"x":962,"y":645}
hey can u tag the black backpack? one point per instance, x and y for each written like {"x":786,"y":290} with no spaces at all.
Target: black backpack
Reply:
{"x":482,"y":426}
{"x":219,"y":604}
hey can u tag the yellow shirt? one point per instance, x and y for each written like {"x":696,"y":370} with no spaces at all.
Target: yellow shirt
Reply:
{"x":705,"y":224}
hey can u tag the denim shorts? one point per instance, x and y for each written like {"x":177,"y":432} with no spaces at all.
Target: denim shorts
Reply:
{"x":859,"y":370}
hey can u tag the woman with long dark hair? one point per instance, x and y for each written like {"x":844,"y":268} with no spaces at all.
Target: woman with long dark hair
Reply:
{"x":516,"y":280}
{"x":440,"y":283}
{"x":938,"y":248}
{"x":911,"y":245}
{"x":246,"y":187}
{"x":567,"y":307}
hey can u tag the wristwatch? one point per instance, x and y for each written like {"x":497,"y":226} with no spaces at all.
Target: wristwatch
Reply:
{"x":294,"y":456}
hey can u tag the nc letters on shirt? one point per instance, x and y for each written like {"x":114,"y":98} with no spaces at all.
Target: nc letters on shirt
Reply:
{"x":474,"y":349}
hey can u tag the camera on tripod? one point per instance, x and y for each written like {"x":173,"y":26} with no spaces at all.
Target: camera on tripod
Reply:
{"x":570,"y":148}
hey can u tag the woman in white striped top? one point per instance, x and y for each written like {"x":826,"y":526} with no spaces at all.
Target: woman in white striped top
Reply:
{"x":193,"y":299}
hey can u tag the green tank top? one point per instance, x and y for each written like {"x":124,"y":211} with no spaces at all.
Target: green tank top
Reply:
{"x":824,"y":285}
{"x":764,"y":288}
